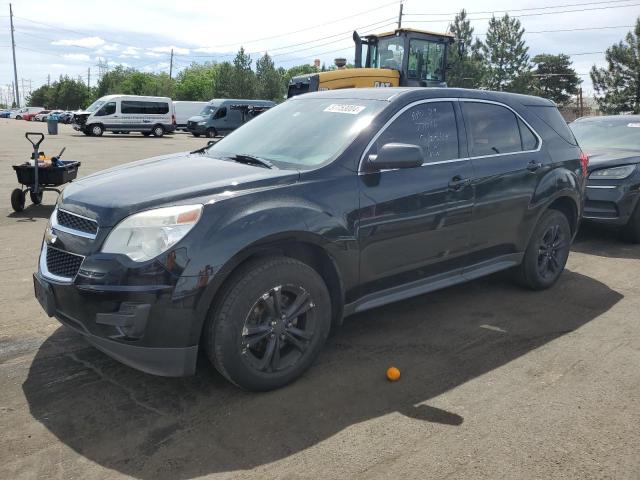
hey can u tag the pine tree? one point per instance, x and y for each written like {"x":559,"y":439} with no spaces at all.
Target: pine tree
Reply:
{"x":466,"y":69}
{"x":506,"y":57}
{"x":269,"y":80}
{"x":618,"y":86}
{"x":244,"y":79}
{"x":556,"y":78}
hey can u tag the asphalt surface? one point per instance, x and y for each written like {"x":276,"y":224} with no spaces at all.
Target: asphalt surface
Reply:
{"x":497,"y":382}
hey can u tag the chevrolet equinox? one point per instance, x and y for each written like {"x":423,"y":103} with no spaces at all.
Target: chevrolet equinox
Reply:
{"x":329,"y":204}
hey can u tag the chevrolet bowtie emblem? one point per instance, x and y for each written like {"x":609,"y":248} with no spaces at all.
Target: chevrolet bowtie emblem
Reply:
{"x":49,"y":236}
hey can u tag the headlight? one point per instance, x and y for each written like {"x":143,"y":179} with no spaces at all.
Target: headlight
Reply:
{"x":202,"y":123}
{"x":146,"y":235}
{"x":616,"y":173}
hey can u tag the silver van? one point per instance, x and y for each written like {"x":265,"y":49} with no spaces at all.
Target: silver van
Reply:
{"x":223,"y":115}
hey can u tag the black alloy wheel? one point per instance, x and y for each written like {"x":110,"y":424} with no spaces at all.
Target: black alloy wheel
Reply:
{"x":550,"y":251}
{"x":278,"y":329}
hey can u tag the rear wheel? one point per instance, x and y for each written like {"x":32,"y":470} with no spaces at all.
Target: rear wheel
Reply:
{"x":211,"y":132}
{"x":158,"y":131}
{"x":96,"y":130}
{"x":547,"y":252}
{"x":270,"y":323}
{"x":18,"y":117}
{"x":195,"y":134}
{"x":36,"y":198}
{"x":17,"y":200}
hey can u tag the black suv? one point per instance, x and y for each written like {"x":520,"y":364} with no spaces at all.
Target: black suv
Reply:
{"x":331,"y":203}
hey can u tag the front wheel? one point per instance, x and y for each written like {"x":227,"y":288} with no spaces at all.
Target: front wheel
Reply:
{"x":632,"y":229}
{"x":211,"y":132}
{"x":270,"y":323}
{"x":547,"y":252}
{"x":36,"y":198}
{"x":97,"y":130}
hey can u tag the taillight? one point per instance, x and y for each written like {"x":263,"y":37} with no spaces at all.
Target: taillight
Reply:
{"x":173,"y":119}
{"x":584,"y":163}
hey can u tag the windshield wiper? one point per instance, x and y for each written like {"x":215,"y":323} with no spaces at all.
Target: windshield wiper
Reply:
{"x":251,"y":160}
{"x":205,"y":148}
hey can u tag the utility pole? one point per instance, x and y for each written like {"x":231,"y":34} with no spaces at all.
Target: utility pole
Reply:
{"x":13,"y":47}
{"x":171,"y":65}
{"x":580,"y":102}
{"x":400,"y":16}
{"x":89,"y":79}
{"x":48,"y":80}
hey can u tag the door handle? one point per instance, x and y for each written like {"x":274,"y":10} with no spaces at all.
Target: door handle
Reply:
{"x":533,"y":166}
{"x":457,"y":183}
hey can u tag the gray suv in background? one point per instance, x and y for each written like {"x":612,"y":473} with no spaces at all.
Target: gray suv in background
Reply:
{"x":221,"y":116}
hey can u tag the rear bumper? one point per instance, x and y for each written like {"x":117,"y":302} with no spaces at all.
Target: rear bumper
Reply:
{"x":610,"y":204}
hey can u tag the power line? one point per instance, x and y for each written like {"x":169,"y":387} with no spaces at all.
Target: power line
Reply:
{"x":572,"y":29}
{"x":536,"y":14}
{"x":519,"y":9}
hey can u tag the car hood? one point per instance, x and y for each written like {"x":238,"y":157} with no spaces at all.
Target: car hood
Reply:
{"x":197,"y":118}
{"x":611,"y":158}
{"x":182,"y":178}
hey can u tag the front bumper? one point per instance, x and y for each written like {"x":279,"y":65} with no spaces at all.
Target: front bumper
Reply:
{"x":148,"y":327}
{"x":197,"y":129}
{"x":611,"y":203}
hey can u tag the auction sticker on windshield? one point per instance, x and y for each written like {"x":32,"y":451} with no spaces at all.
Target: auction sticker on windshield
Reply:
{"x":341,"y":108}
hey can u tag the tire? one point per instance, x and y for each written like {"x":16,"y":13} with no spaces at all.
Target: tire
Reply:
{"x":18,"y":117}
{"x":96,"y":130}
{"x":146,"y":134}
{"x":17,"y":200}
{"x":158,"y":131}
{"x":632,"y":228}
{"x":547,"y":252}
{"x":36,"y":199}
{"x":196,"y":135}
{"x":248,"y":303}
{"x":211,"y":133}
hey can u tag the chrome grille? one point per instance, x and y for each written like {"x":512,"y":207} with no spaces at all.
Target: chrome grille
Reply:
{"x":76,"y":222}
{"x":61,"y":263}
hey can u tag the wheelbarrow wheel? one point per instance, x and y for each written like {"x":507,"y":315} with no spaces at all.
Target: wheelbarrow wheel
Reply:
{"x":36,"y":198}
{"x":17,"y":200}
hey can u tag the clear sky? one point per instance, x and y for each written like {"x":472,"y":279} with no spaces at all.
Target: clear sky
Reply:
{"x":70,"y":36}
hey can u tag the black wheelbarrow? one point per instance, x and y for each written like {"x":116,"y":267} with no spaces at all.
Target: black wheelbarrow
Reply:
{"x":38,"y":178}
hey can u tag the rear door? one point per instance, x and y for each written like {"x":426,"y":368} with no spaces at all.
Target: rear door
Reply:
{"x":508,"y":163}
{"x":415,"y":222}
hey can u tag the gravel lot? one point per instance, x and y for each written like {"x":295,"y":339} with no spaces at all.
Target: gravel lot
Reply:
{"x":497,"y":382}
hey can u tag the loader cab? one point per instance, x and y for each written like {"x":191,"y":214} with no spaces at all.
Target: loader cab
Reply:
{"x":419,"y":56}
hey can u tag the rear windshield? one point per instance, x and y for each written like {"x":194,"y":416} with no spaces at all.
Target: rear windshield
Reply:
{"x":551,"y":116}
{"x":608,"y":132}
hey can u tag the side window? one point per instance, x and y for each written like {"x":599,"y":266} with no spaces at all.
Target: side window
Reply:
{"x":221,"y":112}
{"x":529,"y":140}
{"x":107,"y":109}
{"x":131,"y":107}
{"x":491,"y":129}
{"x":426,"y":60}
{"x":430,"y":125}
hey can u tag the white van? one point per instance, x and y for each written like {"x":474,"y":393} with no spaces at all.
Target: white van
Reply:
{"x":186,"y":110}
{"x":127,"y":113}
{"x":18,"y":114}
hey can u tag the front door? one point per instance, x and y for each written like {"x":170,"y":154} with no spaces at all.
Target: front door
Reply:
{"x":414,"y":223}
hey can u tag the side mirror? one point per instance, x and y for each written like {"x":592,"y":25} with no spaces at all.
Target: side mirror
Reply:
{"x":397,"y":155}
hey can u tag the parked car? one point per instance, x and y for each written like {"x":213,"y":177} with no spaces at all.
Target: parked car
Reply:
{"x":5,"y":113}
{"x":218,"y":118}
{"x":65,"y":117}
{"x":127,"y":113}
{"x":186,"y":110}
{"x":41,"y":116}
{"x":613,"y":188}
{"x":19,"y":113}
{"x":29,"y":116}
{"x":329,"y":204}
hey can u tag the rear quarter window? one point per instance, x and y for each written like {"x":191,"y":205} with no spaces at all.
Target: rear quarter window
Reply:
{"x":551,"y":116}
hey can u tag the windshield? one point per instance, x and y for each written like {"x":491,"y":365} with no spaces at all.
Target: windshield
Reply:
{"x":301,"y":133}
{"x":389,"y":53}
{"x":208,"y":110}
{"x":608,"y":132}
{"x":95,"y":105}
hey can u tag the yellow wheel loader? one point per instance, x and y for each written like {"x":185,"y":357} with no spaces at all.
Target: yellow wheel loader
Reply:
{"x":404,"y":57}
